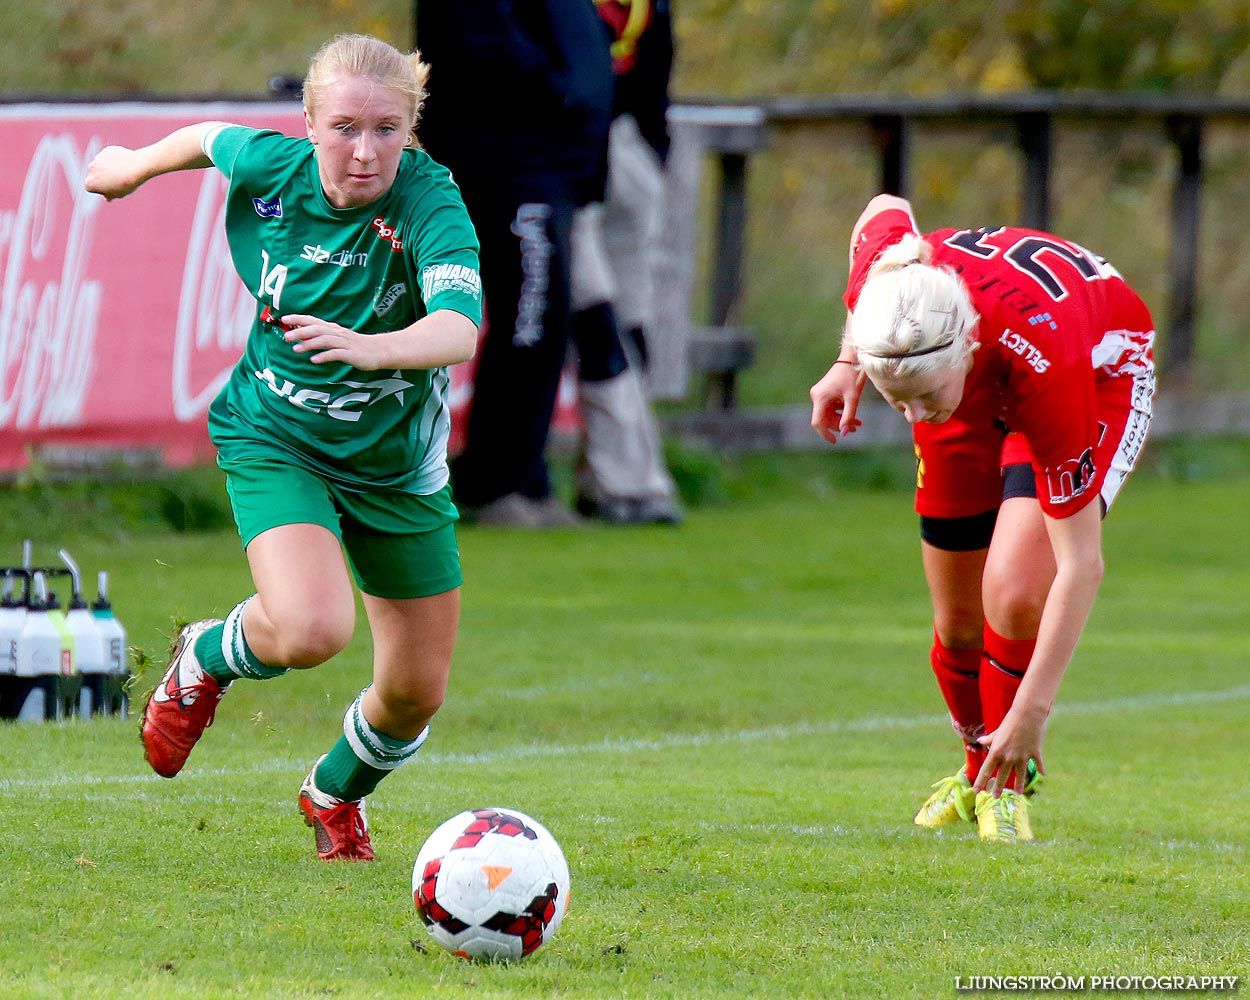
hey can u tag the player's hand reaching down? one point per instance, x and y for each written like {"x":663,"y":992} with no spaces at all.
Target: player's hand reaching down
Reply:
{"x":835,"y":399}
{"x":1010,"y":746}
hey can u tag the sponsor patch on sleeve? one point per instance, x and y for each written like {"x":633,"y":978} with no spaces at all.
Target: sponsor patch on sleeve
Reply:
{"x":268,"y":209}
{"x":450,"y":278}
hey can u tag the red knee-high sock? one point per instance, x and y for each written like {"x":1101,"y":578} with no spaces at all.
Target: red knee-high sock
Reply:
{"x":1002,"y":670}
{"x":957,"y":672}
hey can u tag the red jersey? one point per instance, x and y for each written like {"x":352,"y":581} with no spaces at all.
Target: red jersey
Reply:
{"x":1059,"y":328}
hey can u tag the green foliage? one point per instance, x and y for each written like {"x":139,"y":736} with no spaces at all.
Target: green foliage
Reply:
{"x":725,"y":48}
{"x":728,"y":727}
{"x":699,"y":475}
{"x":214,"y":47}
{"x":888,"y":46}
{"x":1126,"y":45}
{"x":1189,"y":460}
{"x":115,"y":504}
{"x":991,"y":46}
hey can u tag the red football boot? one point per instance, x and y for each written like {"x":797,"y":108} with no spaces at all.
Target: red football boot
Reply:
{"x":339,"y":825}
{"x":182,"y":706}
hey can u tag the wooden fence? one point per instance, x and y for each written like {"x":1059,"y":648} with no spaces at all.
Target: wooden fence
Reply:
{"x":723,"y":137}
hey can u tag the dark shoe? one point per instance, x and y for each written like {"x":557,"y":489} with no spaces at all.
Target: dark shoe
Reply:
{"x":552,"y":513}
{"x":631,"y":510}
{"x":518,"y":511}
{"x":511,"y":511}
{"x":659,"y":510}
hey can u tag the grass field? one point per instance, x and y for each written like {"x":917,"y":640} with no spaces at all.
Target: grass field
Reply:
{"x":728,"y":726}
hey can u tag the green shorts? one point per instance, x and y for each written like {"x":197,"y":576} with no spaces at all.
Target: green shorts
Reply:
{"x":398,"y":545}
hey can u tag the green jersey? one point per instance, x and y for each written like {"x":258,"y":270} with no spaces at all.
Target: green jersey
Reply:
{"x":372,"y":269}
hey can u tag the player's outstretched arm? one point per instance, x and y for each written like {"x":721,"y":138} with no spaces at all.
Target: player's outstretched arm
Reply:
{"x":116,"y":171}
{"x":1077,"y":544}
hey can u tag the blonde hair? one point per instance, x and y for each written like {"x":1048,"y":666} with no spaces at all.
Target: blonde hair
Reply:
{"x":369,"y":58}
{"x":912,"y":317}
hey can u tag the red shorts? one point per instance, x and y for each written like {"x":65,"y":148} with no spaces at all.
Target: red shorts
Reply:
{"x":959,"y":463}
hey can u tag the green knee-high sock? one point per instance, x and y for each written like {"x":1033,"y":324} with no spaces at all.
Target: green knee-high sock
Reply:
{"x":223,"y":660}
{"x":362,"y":757}
{"x":344,"y":775}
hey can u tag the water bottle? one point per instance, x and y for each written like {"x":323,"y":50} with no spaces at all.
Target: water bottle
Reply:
{"x":85,"y":635}
{"x":113,"y":647}
{"x":12,"y":618}
{"x":88,"y":646}
{"x":57,"y":616}
{"x":88,"y":655}
{"x":39,"y":658}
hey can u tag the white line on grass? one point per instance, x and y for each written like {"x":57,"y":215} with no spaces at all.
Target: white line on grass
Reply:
{"x":830,"y":727}
{"x":571,"y":687}
{"x":908,"y":831}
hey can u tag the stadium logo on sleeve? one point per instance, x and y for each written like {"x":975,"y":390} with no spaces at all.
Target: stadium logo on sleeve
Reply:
{"x":268,"y":209}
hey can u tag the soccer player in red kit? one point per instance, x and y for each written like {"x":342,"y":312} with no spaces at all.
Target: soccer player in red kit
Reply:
{"x":1024,"y":364}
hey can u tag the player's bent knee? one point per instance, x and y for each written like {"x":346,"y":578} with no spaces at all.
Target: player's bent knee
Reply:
{"x":1013,"y":607}
{"x":310,"y":642}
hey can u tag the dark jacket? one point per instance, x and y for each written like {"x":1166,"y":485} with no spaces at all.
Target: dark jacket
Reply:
{"x":517,"y":87}
{"x":643,"y":67}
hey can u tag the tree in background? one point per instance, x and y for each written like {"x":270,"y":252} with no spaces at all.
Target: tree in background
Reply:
{"x":1165,"y":45}
{"x":922,"y":48}
{"x":727,"y":48}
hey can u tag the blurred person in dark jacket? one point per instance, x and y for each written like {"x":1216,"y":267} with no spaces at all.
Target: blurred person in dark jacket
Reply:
{"x":520,"y":102}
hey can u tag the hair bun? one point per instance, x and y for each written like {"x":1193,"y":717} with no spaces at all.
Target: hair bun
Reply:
{"x":911,"y":249}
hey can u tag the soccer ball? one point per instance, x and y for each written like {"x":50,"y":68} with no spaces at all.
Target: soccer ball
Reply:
{"x":491,"y":885}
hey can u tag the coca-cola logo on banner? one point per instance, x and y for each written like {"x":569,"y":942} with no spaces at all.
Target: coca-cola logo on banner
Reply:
{"x":215,"y":309}
{"x":119,"y":321}
{"x":49,"y":307}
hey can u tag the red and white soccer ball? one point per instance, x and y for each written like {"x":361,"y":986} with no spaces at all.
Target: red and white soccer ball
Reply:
{"x":491,"y":885}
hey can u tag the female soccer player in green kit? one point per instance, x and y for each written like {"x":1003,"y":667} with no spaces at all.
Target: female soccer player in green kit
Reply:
{"x":332,"y":429}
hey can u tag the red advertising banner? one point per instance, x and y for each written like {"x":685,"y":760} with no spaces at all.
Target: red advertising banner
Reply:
{"x":119,"y":321}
